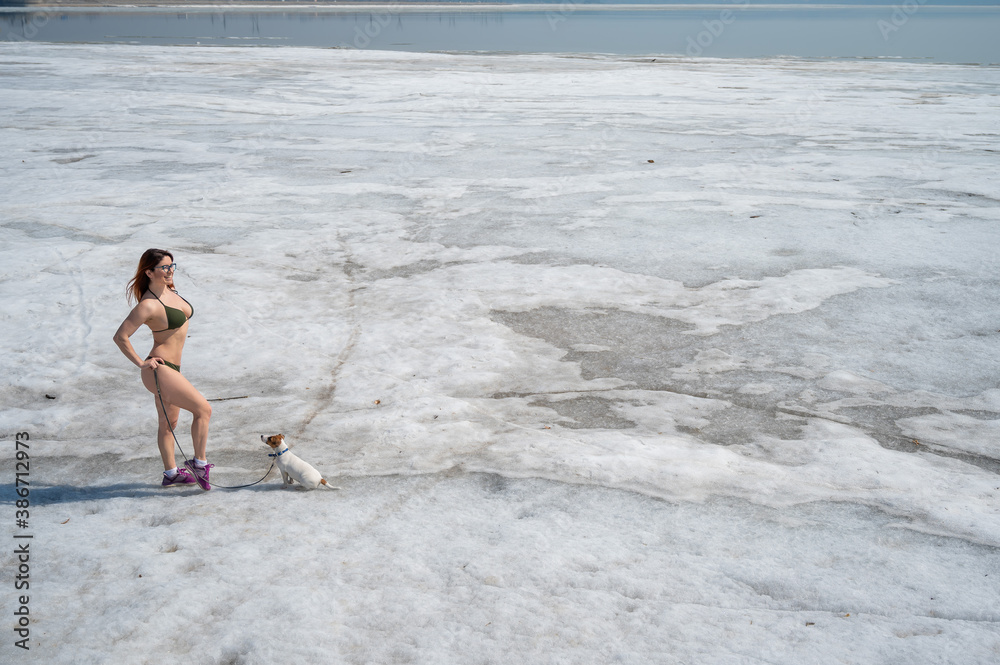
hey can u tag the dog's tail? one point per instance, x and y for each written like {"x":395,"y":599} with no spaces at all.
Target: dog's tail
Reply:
{"x":322,"y":481}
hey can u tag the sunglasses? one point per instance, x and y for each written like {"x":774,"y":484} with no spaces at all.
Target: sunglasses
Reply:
{"x":167,"y":268}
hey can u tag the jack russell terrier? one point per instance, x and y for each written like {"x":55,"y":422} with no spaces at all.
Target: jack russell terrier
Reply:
{"x":291,"y":467}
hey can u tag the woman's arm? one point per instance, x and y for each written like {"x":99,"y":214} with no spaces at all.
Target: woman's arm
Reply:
{"x":138,"y":316}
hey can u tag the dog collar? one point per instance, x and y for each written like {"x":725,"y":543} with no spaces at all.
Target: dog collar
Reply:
{"x":278,"y":454}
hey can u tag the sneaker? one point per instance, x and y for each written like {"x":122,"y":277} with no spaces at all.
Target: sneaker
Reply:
{"x":200,"y":473}
{"x":182,"y":478}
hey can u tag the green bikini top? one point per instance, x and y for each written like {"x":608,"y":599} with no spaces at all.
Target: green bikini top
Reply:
{"x":175,"y":317}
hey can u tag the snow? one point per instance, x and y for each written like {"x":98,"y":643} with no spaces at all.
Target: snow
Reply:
{"x":615,"y":359}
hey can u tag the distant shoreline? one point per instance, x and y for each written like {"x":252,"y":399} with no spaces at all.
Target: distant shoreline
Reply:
{"x":458,"y":5}
{"x":537,"y":5}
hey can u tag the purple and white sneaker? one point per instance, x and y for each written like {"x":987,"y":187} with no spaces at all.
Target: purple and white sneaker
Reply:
{"x":200,"y":473}
{"x":182,"y":478}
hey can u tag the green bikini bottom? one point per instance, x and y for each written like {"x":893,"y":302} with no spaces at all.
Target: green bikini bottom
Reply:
{"x":172,"y":366}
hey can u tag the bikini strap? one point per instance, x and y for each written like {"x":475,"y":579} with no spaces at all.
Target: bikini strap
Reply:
{"x":165,"y":312}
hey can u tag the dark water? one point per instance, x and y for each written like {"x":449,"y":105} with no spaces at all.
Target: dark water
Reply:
{"x":909,"y":31}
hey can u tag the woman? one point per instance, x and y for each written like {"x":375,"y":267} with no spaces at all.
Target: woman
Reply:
{"x":166,"y":313}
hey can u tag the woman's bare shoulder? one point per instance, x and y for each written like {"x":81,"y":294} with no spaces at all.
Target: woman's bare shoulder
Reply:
{"x":143,"y":310}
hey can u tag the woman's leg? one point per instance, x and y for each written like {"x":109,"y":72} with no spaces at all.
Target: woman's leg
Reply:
{"x":179,"y":393}
{"x":164,"y":439}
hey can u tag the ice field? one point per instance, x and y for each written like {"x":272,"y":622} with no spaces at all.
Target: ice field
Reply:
{"x":615,"y":359}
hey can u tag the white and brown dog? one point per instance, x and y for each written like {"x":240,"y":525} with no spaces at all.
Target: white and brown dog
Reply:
{"x":291,"y":467}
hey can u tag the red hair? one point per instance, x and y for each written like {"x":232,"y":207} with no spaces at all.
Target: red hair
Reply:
{"x":138,"y":284}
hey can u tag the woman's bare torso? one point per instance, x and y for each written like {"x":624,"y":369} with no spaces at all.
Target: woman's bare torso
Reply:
{"x":168,"y":344}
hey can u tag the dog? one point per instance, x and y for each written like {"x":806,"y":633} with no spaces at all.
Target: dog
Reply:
{"x":291,"y":467}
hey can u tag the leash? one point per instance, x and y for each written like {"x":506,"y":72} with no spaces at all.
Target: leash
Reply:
{"x":167,"y":418}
